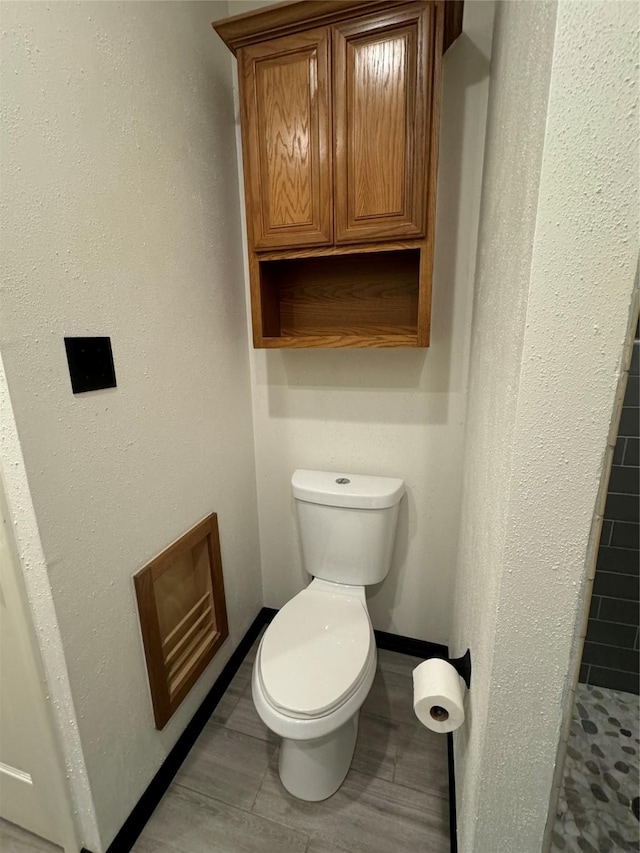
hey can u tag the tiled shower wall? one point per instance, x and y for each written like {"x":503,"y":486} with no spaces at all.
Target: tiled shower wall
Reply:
{"x":610,"y":657}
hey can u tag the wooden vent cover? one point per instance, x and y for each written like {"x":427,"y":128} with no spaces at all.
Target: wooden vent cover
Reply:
{"x":183,"y":615}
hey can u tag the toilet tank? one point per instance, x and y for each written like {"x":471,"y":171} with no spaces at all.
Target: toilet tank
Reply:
{"x":347,"y":524}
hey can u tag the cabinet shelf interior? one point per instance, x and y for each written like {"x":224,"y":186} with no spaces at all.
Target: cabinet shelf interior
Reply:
{"x":368,"y":295}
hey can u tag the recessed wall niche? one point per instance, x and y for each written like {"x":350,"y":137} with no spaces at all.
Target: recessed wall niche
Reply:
{"x":183,"y":615}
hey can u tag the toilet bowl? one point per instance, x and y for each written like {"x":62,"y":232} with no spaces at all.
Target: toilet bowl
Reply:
{"x":317,"y":659}
{"x":314,"y":668}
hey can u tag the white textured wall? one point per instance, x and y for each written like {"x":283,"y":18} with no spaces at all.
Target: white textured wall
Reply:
{"x":389,"y":412}
{"x":120,"y":217}
{"x":557,"y":254}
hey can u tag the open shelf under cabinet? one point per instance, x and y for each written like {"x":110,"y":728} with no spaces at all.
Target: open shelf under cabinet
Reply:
{"x":352,"y":299}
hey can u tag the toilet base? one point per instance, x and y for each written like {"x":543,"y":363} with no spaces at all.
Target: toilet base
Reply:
{"x":314,"y":769}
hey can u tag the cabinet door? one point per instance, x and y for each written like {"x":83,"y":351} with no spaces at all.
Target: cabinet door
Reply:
{"x":286,"y":118}
{"x":382,"y":90}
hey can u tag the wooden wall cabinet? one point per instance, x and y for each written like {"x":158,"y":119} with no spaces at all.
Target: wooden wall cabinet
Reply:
{"x":286,"y":127}
{"x":340,"y":107}
{"x":381,"y":124}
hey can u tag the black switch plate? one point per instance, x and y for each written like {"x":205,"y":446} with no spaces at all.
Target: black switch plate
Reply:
{"x":90,"y":364}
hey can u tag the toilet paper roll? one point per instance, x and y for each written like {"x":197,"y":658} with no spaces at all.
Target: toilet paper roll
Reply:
{"x":438,"y":695}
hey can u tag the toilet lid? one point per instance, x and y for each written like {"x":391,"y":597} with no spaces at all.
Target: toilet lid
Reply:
{"x":314,"y":652}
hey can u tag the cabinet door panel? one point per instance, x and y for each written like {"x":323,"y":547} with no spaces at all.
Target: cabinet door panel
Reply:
{"x":286,"y":140}
{"x":382,"y":107}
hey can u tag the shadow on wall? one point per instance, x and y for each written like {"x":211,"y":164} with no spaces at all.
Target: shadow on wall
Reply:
{"x":438,"y":371}
{"x":390,"y":589}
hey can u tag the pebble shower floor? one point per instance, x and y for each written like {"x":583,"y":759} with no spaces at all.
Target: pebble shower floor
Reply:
{"x":600,"y":781}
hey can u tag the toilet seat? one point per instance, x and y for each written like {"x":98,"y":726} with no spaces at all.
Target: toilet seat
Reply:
{"x":316,"y":653}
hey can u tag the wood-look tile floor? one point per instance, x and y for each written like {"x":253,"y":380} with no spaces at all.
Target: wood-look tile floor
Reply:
{"x":13,"y":839}
{"x":227,"y":796}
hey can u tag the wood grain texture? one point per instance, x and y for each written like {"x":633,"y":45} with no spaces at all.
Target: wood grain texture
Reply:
{"x":264,"y":317}
{"x":366,"y":297}
{"x":267,"y":294}
{"x":340,"y":129}
{"x":286,"y":127}
{"x":421,"y":760}
{"x":342,"y":249}
{"x":433,"y":95}
{"x":282,"y":19}
{"x":188,"y":822}
{"x":244,"y":718}
{"x":217,"y":579}
{"x":183,"y":618}
{"x":353,"y":298}
{"x":152,"y":641}
{"x":14,"y":839}
{"x":424,"y":293}
{"x":375,"y":752}
{"x":387,"y":341}
{"x":391,"y":800}
{"x":226,"y":765}
{"x":366,"y":815}
{"x":378,"y":150}
{"x":381,"y":70}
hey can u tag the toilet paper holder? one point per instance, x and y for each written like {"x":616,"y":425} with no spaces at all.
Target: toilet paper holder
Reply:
{"x":462,"y":666}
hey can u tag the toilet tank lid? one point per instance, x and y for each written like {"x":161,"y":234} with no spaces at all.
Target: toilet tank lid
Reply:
{"x":334,"y":488}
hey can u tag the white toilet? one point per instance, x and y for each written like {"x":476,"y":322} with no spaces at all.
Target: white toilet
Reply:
{"x":317,"y":659}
